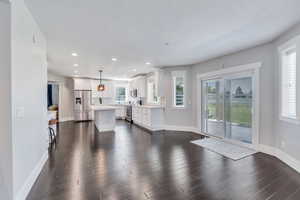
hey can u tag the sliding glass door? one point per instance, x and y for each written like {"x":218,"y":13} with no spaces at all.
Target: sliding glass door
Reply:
{"x":238,"y":109}
{"x":212,"y":107}
{"x":226,"y":108}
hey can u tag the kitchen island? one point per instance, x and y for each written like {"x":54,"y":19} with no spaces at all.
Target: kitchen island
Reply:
{"x":105,"y":118}
{"x":150,"y":117}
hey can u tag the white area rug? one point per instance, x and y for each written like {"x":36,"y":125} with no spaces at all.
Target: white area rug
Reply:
{"x":226,"y":149}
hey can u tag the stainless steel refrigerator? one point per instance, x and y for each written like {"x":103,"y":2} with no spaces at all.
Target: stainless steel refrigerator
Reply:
{"x":83,"y":105}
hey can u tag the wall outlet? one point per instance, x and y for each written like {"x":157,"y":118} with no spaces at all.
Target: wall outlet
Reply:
{"x":282,"y":144}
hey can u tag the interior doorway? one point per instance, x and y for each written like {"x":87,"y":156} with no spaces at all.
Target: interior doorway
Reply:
{"x":53,"y":100}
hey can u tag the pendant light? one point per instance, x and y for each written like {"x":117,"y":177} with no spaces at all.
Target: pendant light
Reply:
{"x":101,"y":86}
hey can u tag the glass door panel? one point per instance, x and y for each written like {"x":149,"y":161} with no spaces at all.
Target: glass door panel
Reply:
{"x":238,"y":109}
{"x":212,"y":108}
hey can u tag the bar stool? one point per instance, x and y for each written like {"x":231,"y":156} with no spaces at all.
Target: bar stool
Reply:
{"x":52,"y":135}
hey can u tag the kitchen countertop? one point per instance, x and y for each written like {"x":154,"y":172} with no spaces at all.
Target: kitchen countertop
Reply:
{"x":118,"y":105}
{"x":149,"y":106}
{"x":99,"y":108}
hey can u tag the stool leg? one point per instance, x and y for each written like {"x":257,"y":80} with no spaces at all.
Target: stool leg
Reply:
{"x":52,"y":135}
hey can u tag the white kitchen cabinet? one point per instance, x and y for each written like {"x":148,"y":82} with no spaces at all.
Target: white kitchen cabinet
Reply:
{"x":121,"y":112}
{"x":139,"y":83}
{"x":159,"y":81}
{"x":149,"y":117}
{"x":82,"y":84}
{"x":141,"y":86}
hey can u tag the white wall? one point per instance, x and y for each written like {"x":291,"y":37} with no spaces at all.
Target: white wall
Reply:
{"x":187,"y":117}
{"x":273,"y":132}
{"x":66,"y":94}
{"x":262,"y":53}
{"x":286,"y":132}
{"x":182,"y":117}
{"x":5,"y":105}
{"x":29,"y":93}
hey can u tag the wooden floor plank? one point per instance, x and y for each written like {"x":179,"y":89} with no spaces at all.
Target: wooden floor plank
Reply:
{"x":134,"y":164}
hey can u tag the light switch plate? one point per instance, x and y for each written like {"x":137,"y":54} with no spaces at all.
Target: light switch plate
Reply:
{"x":20,"y":112}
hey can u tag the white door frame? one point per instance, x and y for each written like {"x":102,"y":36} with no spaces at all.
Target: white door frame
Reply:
{"x":60,"y":86}
{"x":254,"y":70}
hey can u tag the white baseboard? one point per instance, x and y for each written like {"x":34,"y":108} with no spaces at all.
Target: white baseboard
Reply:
{"x":180,"y":128}
{"x":281,"y":155}
{"x":278,"y":153}
{"x":289,"y":160}
{"x":24,"y":191}
{"x":66,"y":119}
{"x":267,"y":149}
{"x":184,"y":129}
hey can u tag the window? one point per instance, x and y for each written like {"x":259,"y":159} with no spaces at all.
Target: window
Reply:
{"x":289,"y":105}
{"x":288,"y":101}
{"x":151,"y":90}
{"x":179,"y":88}
{"x":120,"y":95}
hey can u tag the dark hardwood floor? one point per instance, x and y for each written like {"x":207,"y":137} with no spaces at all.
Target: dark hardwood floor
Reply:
{"x":130,"y":164}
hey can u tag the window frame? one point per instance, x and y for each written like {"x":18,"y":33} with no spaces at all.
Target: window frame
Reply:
{"x":292,"y":44}
{"x":126,"y":92}
{"x":151,"y":97}
{"x":175,"y":75}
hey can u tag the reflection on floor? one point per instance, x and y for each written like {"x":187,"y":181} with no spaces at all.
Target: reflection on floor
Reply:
{"x":131,"y":163}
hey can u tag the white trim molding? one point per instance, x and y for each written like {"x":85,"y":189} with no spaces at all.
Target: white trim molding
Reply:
{"x":278,"y":153}
{"x":230,"y":70}
{"x":289,"y":43}
{"x":181,"y":128}
{"x":253,"y":70}
{"x":175,"y":75}
{"x":293,"y":43}
{"x":184,"y":129}
{"x":24,"y":191}
{"x":281,"y":155}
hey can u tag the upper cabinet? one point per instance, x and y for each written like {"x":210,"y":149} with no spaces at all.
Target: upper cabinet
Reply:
{"x":82,"y":84}
{"x":90,"y":84}
{"x":139,"y":84}
{"x":159,"y":82}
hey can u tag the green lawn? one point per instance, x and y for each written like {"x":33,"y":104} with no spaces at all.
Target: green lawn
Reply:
{"x":240,"y":113}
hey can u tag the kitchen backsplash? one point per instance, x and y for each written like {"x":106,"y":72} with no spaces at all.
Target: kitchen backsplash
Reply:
{"x":105,"y":101}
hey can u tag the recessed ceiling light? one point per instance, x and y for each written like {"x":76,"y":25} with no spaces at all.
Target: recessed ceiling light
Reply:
{"x":75,"y":65}
{"x":74,"y":54}
{"x":114,"y":59}
{"x":148,"y":63}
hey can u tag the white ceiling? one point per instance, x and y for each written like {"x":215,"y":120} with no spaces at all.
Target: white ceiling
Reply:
{"x":135,"y":31}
